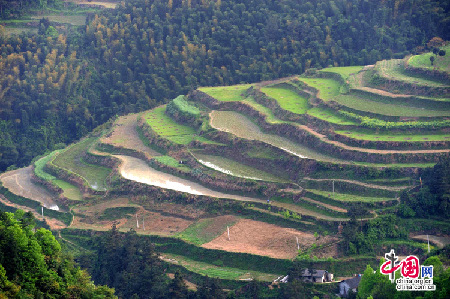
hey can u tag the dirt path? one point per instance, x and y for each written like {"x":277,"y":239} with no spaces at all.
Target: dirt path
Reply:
{"x":334,"y":208}
{"x":390,"y":188}
{"x":441,"y":242}
{"x":137,"y":170}
{"x":52,"y":223}
{"x":261,"y":238}
{"x":125,"y":135}
{"x":383,"y":92}
{"x":19,"y":182}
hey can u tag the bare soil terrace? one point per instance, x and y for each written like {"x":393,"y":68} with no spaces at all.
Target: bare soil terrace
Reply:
{"x":19,"y":182}
{"x":124,"y":135}
{"x":249,"y":236}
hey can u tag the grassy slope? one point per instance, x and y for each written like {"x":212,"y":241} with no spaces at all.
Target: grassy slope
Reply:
{"x":72,"y":160}
{"x":348,"y":197}
{"x":345,"y":71}
{"x":226,"y":93}
{"x":287,"y":99}
{"x":330,"y":116}
{"x":70,"y":191}
{"x":394,"y":69}
{"x":441,"y":63}
{"x":386,"y":136}
{"x":362,"y":104}
{"x":168,"y":128}
{"x":328,"y":88}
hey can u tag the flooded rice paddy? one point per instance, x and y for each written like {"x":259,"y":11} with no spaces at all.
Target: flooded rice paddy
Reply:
{"x":235,"y":168}
{"x":241,"y":126}
{"x":138,"y":170}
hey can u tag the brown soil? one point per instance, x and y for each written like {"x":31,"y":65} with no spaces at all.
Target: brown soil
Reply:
{"x":19,"y":182}
{"x":52,"y":223}
{"x":125,"y":135}
{"x":261,"y":238}
{"x":383,"y":92}
{"x":155,"y":223}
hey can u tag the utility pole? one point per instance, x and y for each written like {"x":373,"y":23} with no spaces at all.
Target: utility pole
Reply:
{"x":143,"y":223}
{"x":298,"y":244}
{"x":228,"y":230}
{"x":42,"y":211}
{"x":137,"y":222}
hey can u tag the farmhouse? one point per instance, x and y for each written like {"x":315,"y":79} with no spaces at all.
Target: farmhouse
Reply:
{"x":317,"y":276}
{"x":349,"y":285}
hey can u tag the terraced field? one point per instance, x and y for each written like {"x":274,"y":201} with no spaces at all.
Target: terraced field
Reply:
{"x":241,"y":126}
{"x":385,"y":136}
{"x":236,"y":169}
{"x":330,"y":116}
{"x":345,"y":71}
{"x":394,"y":69}
{"x":327,"y":88}
{"x":70,"y":191}
{"x":441,"y":63}
{"x":72,"y":161}
{"x":226,"y":93}
{"x":168,"y":128}
{"x":287,"y":99}
{"x":366,"y":105}
{"x":284,"y":211}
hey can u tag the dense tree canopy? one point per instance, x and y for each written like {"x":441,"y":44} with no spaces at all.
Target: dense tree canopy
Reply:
{"x":33,"y":266}
{"x":55,"y":88}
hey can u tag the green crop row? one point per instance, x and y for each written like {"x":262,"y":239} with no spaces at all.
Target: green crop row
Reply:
{"x":381,"y":124}
{"x":184,"y":106}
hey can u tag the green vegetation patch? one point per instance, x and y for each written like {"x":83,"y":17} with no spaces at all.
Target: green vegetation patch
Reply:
{"x":184,"y":106}
{"x":390,"y":136}
{"x":226,"y":93}
{"x":217,"y":270}
{"x":118,"y":213}
{"x":287,"y":99}
{"x":205,"y":230}
{"x":39,"y":166}
{"x":172,"y":162}
{"x":270,"y":117}
{"x":77,"y":20}
{"x":72,"y":161}
{"x":348,"y":197}
{"x":363,"y":104}
{"x":441,"y":63}
{"x":330,"y":116}
{"x":344,"y":71}
{"x":328,"y":88}
{"x":168,"y":128}
{"x":70,"y":191}
{"x":395,"y":69}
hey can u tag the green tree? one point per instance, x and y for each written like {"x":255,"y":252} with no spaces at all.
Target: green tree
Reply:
{"x":177,"y":287}
{"x":36,"y":266}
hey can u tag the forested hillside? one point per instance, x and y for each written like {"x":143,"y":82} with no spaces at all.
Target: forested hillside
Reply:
{"x":32,"y":264}
{"x":55,"y":88}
